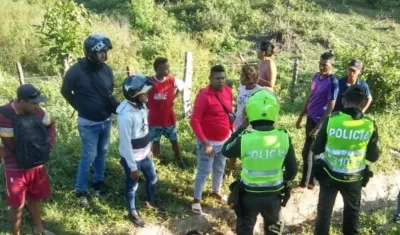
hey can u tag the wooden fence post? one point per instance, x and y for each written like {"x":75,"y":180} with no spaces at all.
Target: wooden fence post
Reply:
{"x":129,"y":70}
{"x":20,"y":74}
{"x":294,"y":76}
{"x":186,"y":96}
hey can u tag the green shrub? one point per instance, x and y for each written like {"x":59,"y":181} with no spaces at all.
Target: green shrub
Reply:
{"x":63,"y":29}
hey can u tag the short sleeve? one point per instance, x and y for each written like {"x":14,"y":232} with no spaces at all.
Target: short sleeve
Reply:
{"x":366,"y":87}
{"x":334,"y":88}
{"x":179,"y":84}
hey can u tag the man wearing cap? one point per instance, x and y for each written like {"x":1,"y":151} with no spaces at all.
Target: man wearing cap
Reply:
{"x":31,"y":184}
{"x":262,"y":176}
{"x":345,"y":142}
{"x":353,"y":71}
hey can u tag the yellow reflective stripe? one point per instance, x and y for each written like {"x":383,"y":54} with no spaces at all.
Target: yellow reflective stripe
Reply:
{"x":6,"y":132}
{"x":342,"y":170}
{"x":46,"y":119}
{"x":343,"y":152}
{"x":1,"y":143}
{"x":268,"y":184}
{"x":260,"y":173}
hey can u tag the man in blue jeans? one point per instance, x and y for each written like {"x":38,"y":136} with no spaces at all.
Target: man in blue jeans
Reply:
{"x":94,"y":112}
{"x":135,"y":144}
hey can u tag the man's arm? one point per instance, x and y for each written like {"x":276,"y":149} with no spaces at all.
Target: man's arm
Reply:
{"x":372,"y":154}
{"x":369,"y":98}
{"x":68,"y":87}
{"x":290,"y":163}
{"x":232,"y":147}
{"x":319,"y":144}
{"x":112,"y":79}
{"x":179,"y":85}
{"x":125,"y":126}
{"x":200,"y":105}
{"x":51,"y":129}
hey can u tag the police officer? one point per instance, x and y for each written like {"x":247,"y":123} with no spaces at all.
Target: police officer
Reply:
{"x":264,"y":150}
{"x":346,"y":140}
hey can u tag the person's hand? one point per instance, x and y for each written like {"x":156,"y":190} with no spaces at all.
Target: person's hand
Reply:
{"x":209,"y":149}
{"x":314,"y":132}
{"x":135,"y":175}
{"x":298,"y":123}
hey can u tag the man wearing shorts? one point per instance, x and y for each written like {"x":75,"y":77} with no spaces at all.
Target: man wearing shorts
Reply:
{"x":161,"y":97}
{"x":32,"y":184}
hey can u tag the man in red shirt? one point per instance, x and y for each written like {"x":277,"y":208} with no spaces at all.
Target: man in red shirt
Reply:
{"x":30,"y":184}
{"x":212,"y":126}
{"x":161,"y":99}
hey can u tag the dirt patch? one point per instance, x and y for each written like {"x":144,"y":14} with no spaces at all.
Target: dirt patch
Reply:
{"x":299,"y":213}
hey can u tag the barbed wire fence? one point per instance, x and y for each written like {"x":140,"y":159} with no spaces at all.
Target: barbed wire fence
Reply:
{"x":299,"y":68}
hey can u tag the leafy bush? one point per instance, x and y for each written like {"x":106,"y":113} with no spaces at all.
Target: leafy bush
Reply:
{"x":381,"y":71}
{"x":64,"y":27}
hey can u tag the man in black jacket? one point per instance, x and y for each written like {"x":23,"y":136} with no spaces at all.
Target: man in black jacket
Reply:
{"x":88,"y":86}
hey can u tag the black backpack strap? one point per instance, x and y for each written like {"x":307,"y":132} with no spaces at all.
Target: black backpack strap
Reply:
{"x":223,"y":106}
{"x":8,"y":113}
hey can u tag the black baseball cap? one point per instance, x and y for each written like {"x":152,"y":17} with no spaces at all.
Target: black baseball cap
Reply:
{"x":355,"y":91}
{"x":356,"y":64}
{"x":30,"y":93}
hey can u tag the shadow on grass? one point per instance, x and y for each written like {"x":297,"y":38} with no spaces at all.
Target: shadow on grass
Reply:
{"x":373,"y":215}
{"x":359,"y":7}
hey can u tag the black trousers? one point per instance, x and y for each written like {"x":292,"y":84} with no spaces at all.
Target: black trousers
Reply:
{"x":351,"y":193}
{"x":268,"y":204}
{"x":307,"y":174}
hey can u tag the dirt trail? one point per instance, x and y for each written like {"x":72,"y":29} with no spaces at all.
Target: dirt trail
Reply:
{"x":381,"y":191}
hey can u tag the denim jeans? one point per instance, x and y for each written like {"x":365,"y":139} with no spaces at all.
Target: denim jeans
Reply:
{"x":146,"y":166}
{"x":205,"y":165}
{"x":95,"y":141}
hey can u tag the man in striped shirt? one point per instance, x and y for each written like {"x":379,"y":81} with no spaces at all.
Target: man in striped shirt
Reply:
{"x":32,"y":184}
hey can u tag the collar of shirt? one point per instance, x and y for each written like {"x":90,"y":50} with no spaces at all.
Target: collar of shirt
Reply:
{"x":355,"y":113}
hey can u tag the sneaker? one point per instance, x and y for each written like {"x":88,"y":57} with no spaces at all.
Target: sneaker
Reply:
{"x":154,"y":206}
{"x":83,"y":199}
{"x":181,"y":164}
{"x":45,"y":232}
{"x":136,"y":220}
{"x":100,"y":188}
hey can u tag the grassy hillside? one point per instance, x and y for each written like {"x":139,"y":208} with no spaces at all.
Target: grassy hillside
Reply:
{"x":215,"y":31}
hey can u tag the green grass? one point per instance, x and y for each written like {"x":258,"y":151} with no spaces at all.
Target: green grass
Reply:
{"x":175,"y":187}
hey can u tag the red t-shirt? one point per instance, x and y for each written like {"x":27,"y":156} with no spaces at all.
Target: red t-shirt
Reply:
{"x":161,"y":101}
{"x":209,"y":120}
{"x":7,"y":135}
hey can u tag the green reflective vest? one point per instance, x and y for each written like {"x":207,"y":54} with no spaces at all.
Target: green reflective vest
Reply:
{"x":263,"y":154}
{"x":347,"y":142}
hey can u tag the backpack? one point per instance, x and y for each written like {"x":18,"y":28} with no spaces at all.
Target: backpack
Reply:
{"x":32,"y":144}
